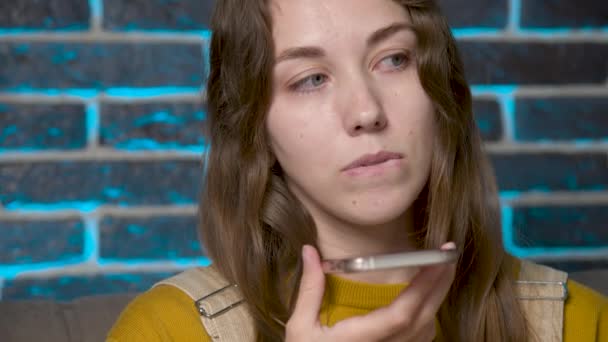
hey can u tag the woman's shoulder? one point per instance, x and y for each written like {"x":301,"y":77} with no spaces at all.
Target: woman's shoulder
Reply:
{"x":160,"y":314}
{"x":581,"y":295}
{"x":585,"y":314}
{"x":585,"y":310}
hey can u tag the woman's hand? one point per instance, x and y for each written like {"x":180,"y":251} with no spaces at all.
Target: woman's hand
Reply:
{"x":410,"y":317}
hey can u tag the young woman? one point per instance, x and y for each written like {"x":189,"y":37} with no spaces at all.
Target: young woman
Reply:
{"x":341,"y":128}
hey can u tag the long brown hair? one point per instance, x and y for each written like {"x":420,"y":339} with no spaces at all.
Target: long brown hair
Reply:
{"x":253,"y":228}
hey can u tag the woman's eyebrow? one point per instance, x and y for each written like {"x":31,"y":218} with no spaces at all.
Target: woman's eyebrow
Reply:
{"x":300,"y":52}
{"x":316,"y":52}
{"x":386,"y":32}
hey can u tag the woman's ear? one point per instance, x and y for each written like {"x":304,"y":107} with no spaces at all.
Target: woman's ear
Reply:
{"x":275,"y":167}
{"x":272,"y":159}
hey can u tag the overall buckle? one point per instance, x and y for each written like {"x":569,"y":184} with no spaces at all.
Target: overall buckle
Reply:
{"x":211,"y":310}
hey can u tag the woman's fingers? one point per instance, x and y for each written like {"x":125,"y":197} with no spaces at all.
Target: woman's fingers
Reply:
{"x":426,"y":334}
{"x":443,"y":287}
{"x":410,"y":317}
{"x":412,"y":310}
{"x":402,"y":314}
{"x":310,"y":295}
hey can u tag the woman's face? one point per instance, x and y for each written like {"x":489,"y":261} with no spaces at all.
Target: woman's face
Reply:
{"x":345,"y":87}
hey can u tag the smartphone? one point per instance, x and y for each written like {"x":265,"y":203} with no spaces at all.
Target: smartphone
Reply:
{"x":384,"y":261}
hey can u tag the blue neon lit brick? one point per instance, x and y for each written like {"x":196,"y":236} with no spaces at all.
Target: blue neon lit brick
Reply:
{"x":476,"y":13}
{"x":182,"y":15}
{"x":27,"y":242}
{"x":163,"y":125}
{"x":69,"y":183}
{"x":38,"y":65}
{"x":42,"y":126}
{"x":44,"y":15}
{"x":71,"y":287}
{"x":561,"y":226}
{"x":580,"y":265}
{"x":551,"y":171}
{"x":566,"y":118}
{"x":487,"y":116}
{"x":560,"y":13}
{"x":164,"y":237}
{"x":534,"y":62}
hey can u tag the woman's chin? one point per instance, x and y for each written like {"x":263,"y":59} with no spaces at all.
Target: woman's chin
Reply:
{"x":375,"y":216}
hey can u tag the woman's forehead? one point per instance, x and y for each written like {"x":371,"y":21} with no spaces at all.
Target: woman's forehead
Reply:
{"x":310,"y":22}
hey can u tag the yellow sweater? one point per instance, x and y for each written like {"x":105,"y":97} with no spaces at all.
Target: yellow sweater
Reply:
{"x":164,"y":313}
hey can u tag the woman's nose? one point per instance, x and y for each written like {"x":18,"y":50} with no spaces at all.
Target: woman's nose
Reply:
{"x":365,"y":114}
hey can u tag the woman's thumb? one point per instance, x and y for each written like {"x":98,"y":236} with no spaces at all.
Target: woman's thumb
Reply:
{"x":312,"y":286}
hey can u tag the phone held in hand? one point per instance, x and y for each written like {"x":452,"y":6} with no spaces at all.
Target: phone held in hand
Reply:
{"x":385,"y":261}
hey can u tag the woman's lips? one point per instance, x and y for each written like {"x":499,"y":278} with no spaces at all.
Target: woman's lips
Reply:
{"x":373,"y":164}
{"x":373,"y":170}
{"x":367,"y":160}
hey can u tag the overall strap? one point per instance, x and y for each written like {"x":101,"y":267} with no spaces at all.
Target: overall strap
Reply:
{"x":542,"y":292}
{"x":222,"y":311}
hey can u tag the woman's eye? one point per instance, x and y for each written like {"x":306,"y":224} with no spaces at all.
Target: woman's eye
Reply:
{"x":309,"y":83}
{"x":397,"y":61}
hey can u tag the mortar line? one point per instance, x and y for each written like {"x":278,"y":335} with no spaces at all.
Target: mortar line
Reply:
{"x":109,"y":155}
{"x":553,"y":147}
{"x":109,"y":210}
{"x":96,"y":12}
{"x":590,"y":90}
{"x":565,"y":35}
{"x":557,"y":198}
{"x":93,"y":119}
{"x":573,"y":35}
{"x":87,"y":269}
{"x":514,"y":16}
{"x":103,"y":154}
{"x":68,"y":96}
{"x":91,"y":238}
{"x":480,"y":92}
{"x":507,"y":110}
{"x":177,"y":37}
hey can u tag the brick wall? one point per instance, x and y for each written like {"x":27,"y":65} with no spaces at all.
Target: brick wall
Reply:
{"x":101,"y":115}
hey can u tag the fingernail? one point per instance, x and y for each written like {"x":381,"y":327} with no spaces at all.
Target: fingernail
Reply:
{"x":448,"y":246}
{"x":305,"y":253}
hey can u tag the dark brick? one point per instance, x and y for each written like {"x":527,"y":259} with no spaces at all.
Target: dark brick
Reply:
{"x":151,"y":126}
{"x":488,"y":118}
{"x":561,"y":118}
{"x":577,"y":265}
{"x":166,"y":237}
{"x":99,"y":65}
{"x":559,"y":13}
{"x":534,"y":62}
{"x":42,"y":126}
{"x":560,"y":226}
{"x":157,"y":14}
{"x":71,"y":287}
{"x":44,"y":15}
{"x":551,"y":171}
{"x":121,"y":183}
{"x":25,"y":242}
{"x":475,"y":13}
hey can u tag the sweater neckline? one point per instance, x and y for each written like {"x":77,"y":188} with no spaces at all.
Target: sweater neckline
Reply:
{"x":366,"y":296}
